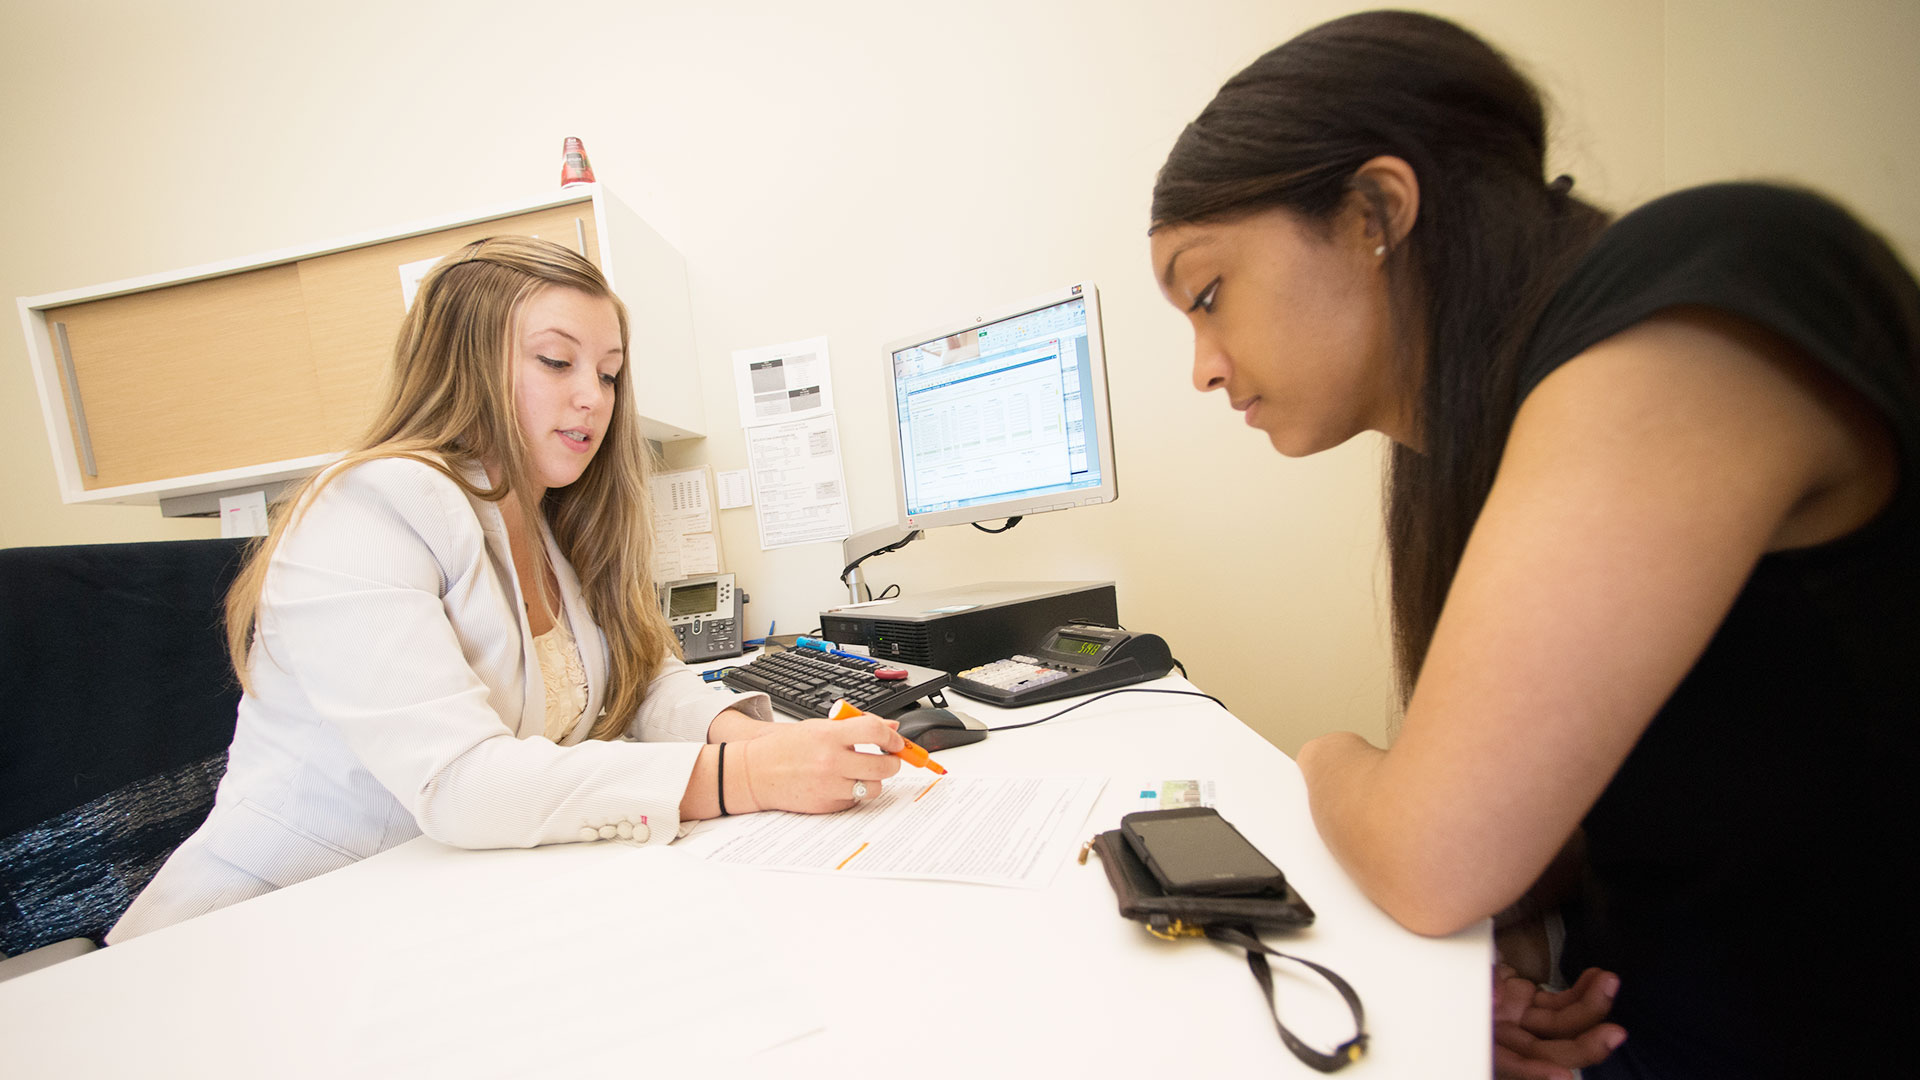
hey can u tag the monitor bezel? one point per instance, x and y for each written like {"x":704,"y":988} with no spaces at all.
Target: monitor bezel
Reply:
{"x":1109,"y":488}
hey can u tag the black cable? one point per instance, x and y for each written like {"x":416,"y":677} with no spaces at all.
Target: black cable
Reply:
{"x":885,"y":594}
{"x":896,"y":546}
{"x":1011,"y":522}
{"x":1108,"y":694}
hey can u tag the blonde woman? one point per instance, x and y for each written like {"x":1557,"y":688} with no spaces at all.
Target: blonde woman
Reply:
{"x":453,"y":632}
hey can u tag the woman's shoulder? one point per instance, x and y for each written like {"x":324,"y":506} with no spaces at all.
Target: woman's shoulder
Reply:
{"x":1770,"y":233}
{"x":1790,"y":260}
{"x":1763,"y":231}
{"x":1734,"y":208}
{"x":386,"y":517}
{"x":417,"y":488}
{"x":401,"y":474}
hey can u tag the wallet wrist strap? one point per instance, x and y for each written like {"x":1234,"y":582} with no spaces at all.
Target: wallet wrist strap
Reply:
{"x":1257,"y":953}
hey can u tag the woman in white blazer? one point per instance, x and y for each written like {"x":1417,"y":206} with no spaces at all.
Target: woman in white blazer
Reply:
{"x":453,"y":631}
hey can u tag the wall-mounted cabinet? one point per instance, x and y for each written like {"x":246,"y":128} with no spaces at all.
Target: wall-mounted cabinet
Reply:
{"x":262,"y":369}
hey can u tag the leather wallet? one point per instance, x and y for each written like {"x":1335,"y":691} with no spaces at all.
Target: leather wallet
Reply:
{"x":1172,"y":915}
{"x":1230,"y":920}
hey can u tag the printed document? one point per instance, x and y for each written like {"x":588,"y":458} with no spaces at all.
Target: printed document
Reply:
{"x":686,"y":540}
{"x":785,"y":393}
{"x":736,"y":489}
{"x":1014,"y":830}
{"x":798,"y":482}
{"x":778,"y":383}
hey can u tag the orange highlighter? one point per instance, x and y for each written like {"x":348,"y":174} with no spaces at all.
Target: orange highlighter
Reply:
{"x":912,"y":753}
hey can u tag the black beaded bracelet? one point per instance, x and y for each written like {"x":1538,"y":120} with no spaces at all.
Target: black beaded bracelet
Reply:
{"x":721,"y":787}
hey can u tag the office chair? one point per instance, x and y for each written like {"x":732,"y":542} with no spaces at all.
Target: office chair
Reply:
{"x":117,"y":706}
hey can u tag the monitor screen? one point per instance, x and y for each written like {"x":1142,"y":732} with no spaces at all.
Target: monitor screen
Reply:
{"x":1003,"y":414}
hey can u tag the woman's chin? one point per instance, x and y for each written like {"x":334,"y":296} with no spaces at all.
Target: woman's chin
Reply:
{"x":1301,"y":444}
{"x":554,"y":479}
{"x":1290,"y":443}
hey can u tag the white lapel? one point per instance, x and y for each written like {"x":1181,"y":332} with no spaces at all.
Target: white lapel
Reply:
{"x":533,"y":690}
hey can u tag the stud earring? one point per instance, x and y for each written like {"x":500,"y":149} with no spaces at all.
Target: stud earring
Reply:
{"x":1381,"y":250}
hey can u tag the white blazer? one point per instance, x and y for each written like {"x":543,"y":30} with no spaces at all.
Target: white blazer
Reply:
{"x":396,"y":691}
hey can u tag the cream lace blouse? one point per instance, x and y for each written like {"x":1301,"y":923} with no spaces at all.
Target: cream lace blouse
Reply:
{"x":565,"y":678}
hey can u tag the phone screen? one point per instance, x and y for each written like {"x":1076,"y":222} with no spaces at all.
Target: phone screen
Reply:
{"x":1202,"y":853}
{"x":692,"y":599}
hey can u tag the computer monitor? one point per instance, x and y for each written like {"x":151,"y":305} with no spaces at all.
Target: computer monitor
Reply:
{"x":1003,"y":414}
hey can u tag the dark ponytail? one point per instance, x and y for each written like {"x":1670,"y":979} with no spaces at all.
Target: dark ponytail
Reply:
{"x":1492,"y":240}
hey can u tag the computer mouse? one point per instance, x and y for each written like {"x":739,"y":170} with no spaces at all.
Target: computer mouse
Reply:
{"x":938,"y":729}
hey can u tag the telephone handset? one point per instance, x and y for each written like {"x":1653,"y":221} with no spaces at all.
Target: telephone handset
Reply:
{"x":1073,"y":659}
{"x":705,"y":613}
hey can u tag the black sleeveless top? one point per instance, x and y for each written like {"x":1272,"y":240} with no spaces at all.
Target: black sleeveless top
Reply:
{"x":1747,"y":864}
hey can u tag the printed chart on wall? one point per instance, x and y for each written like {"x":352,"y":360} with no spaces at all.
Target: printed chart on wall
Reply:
{"x":793,"y":445}
{"x":686,"y":532}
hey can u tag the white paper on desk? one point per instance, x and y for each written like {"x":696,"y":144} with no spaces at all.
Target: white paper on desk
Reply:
{"x":1014,"y":830}
{"x":777,"y":383}
{"x":799,"y":488}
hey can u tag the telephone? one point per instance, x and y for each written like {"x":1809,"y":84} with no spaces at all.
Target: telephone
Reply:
{"x":705,"y":613}
{"x":1077,"y":658}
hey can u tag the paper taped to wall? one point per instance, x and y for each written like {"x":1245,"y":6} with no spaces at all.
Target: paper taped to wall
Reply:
{"x":686,"y":533}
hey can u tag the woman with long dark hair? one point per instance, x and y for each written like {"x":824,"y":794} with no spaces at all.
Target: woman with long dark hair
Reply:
{"x":1652,"y":552}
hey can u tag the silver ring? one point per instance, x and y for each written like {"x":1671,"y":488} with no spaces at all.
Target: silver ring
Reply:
{"x":859,"y":790}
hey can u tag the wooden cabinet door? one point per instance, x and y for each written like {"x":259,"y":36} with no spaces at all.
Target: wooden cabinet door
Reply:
{"x":354,"y":306}
{"x":256,"y":366}
{"x":192,"y":378}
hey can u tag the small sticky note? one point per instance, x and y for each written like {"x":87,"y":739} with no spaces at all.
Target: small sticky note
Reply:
{"x":410,"y":275}
{"x":244,"y":515}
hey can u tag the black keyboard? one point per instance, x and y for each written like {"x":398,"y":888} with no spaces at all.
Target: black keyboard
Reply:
{"x":806,"y":682}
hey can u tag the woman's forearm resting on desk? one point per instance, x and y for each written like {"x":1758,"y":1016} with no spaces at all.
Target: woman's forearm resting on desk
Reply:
{"x":1387,"y":844}
{"x":732,"y":725}
{"x":733,"y":730}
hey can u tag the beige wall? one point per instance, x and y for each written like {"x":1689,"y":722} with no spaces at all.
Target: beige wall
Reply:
{"x":859,"y":170}
{"x":1821,"y":94}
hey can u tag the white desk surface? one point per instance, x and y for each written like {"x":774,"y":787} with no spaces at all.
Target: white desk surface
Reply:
{"x":430,"y":961}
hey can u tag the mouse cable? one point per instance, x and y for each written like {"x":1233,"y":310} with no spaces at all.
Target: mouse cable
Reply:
{"x":1108,"y":694}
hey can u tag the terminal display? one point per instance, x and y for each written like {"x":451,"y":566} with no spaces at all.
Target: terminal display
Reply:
{"x":1004,"y":414}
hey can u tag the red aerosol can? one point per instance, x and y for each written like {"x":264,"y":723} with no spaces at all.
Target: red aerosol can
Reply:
{"x":574,"y":167}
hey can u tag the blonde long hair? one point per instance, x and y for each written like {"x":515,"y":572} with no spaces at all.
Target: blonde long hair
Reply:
{"x":449,"y":404}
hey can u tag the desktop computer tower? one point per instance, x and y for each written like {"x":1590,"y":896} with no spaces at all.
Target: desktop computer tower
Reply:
{"x":959,"y":628}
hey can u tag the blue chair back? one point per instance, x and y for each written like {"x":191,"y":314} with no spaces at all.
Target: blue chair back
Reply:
{"x":117,"y":707}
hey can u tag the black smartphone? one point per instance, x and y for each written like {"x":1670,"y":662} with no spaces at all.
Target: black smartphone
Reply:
{"x":1194,"y":850}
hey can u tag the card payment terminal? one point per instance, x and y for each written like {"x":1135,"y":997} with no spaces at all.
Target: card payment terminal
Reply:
{"x":1072,"y":659}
